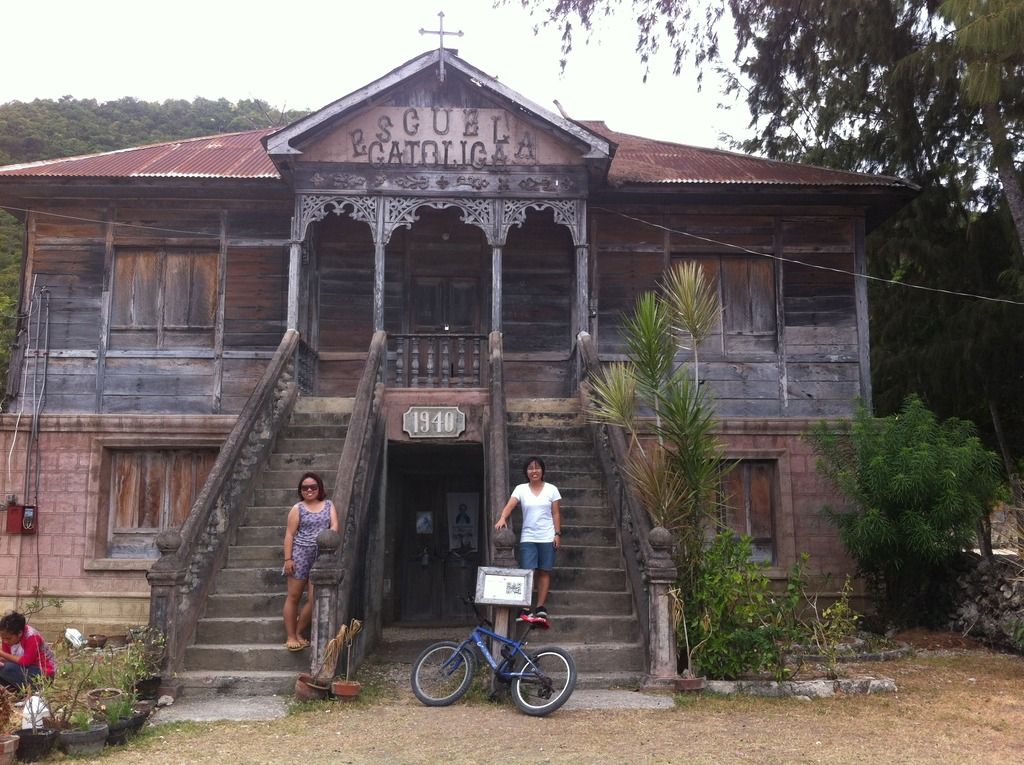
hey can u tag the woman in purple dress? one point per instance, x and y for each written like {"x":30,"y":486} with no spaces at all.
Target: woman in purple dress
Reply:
{"x":312,"y":514}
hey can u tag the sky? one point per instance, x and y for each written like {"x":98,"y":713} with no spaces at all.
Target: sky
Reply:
{"x":304,"y":54}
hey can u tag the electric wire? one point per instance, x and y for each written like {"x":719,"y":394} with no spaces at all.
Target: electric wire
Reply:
{"x":819,"y":266}
{"x":710,"y":240}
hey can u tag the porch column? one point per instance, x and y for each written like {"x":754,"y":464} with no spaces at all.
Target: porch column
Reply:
{"x":294,"y":263}
{"x":582,"y":288}
{"x":496,"y":288}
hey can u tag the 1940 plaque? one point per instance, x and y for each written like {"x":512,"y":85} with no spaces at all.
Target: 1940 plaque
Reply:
{"x":434,"y":422}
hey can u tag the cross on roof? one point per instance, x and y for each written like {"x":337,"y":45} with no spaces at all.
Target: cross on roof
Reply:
{"x":440,"y":32}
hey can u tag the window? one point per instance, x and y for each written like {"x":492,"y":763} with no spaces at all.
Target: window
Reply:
{"x":748,"y":504}
{"x":746,"y":291}
{"x":164,"y":298}
{"x":151,"y":491}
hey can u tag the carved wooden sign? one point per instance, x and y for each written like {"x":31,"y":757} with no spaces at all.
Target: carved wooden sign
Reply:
{"x":434,"y":422}
{"x":441,"y":138}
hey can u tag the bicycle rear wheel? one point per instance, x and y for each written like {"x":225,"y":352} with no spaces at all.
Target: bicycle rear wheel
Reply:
{"x":547,"y":684}
{"x":442,"y":673}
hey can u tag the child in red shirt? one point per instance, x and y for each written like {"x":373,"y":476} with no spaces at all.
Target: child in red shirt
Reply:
{"x":24,"y":653}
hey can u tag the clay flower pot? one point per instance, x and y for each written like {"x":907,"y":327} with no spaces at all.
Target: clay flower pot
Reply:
{"x":346,"y":689}
{"x":307,"y":690}
{"x":8,"y":748}
{"x":98,"y":697}
{"x":96,"y":641}
{"x":690,"y":683}
{"x":148,"y":687}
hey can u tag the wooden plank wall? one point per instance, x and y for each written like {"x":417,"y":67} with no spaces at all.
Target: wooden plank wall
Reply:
{"x":766,"y":357}
{"x":92,"y":368}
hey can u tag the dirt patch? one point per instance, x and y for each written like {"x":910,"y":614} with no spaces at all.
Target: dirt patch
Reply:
{"x":955,"y":705}
{"x":929,"y":640}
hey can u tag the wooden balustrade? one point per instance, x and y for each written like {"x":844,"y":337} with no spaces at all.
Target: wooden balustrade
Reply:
{"x":435,"y":361}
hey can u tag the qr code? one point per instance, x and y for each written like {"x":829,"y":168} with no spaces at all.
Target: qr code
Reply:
{"x":514,"y":588}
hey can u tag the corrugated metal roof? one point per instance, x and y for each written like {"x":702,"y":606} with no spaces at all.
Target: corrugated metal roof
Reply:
{"x":641,"y":160}
{"x":637,"y":160}
{"x":229,"y":155}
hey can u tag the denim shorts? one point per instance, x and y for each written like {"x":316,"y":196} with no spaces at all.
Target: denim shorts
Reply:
{"x":537,"y":555}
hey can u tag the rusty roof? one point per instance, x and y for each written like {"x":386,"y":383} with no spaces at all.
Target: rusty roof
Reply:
{"x":641,"y":160}
{"x":637,"y":161}
{"x":228,"y":155}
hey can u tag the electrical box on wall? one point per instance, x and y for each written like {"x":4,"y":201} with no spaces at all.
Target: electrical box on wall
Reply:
{"x":21,"y":519}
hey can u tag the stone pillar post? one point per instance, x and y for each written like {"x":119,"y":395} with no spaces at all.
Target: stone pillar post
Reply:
{"x":166,"y":576}
{"x":325,"y":576}
{"x":661,"y":575}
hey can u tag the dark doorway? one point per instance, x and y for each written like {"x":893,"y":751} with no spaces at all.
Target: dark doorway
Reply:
{"x":435,"y":507}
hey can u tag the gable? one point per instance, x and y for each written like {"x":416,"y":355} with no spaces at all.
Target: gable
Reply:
{"x":440,"y":137}
{"x":414,"y":119}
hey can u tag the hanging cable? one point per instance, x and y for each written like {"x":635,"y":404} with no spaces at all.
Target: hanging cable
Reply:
{"x":818,"y":266}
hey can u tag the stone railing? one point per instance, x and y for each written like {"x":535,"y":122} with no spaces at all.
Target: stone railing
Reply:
{"x":647,"y":551}
{"x":342,"y":556}
{"x":190,"y":556}
{"x":435,"y":360}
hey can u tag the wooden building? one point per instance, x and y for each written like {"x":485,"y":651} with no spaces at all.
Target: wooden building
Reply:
{"x":436,"y":262}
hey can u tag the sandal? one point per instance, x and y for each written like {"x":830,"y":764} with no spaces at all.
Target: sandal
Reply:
{"x":294,"y":646}
{"x":304,"y":642}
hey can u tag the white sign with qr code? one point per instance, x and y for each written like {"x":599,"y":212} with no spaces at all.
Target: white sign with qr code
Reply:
{"x":504,"y":586}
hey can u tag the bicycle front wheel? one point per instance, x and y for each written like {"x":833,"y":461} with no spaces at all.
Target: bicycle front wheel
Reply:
{"x":442,"y":674}
{"x":547,"y":681}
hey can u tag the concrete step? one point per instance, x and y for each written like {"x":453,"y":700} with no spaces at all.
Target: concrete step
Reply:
{"x":289,"y":479}
{"x":249,"y":580}
{"x":274,"y":515}
{"x":309,"y":446}
{"x":582,"y":515}
{"x":260,"y":535}
{"x":283,"y":497}
{"x":237,"y":657}
{"x":209,"y":683}
{"x":299,"y":463}
{"x":230,"y":605}
{"x":255,"y":629}
{"x":554,"y":464}
{"x":601,"y":536}
{"x":333,"y":430}
{"x":256,"y":556}
{"x":587,"y":602}
{"x":588,"y":556}
{"x":596,"y":579}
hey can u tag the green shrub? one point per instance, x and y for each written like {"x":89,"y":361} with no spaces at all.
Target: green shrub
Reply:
{"x":741,"y":624}
{"x":918,"y":489}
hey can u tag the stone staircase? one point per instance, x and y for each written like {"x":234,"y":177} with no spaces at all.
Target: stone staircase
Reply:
{"x":591,"y":606}
{"x":238,"y":648}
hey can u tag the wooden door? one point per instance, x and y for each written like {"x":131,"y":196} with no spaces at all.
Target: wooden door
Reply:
{"x":440,"y":542}
{"x":445,"y":306}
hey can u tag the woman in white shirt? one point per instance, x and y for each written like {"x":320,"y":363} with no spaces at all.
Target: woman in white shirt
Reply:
{"x":541,"y":535}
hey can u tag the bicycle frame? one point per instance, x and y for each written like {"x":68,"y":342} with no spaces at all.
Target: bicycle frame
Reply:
{"x":477,"y":637}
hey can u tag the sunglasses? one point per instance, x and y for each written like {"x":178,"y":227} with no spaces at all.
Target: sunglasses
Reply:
{"x":309,"y":487}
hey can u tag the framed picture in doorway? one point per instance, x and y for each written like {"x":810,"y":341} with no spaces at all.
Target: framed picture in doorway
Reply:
{"x":463,"y":510}
{"x":424,"y":522}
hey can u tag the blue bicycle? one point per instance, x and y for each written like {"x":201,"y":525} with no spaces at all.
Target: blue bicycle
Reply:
{"x":541,"y":680}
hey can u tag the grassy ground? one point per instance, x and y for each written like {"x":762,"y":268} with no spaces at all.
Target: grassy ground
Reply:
{"x":957,"y":703}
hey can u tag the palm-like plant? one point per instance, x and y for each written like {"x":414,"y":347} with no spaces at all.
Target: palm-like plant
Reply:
{"x":694,"y":304}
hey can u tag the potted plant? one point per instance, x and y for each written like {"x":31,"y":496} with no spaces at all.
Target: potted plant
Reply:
{"x":348,"y":688}
{"x":687,"y":680}
{"x":35,"y":740}
{"x":125,"y":717}
{"x":10,"y":719}
{"x":83,"y":734}
{"x":134,"y":668}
